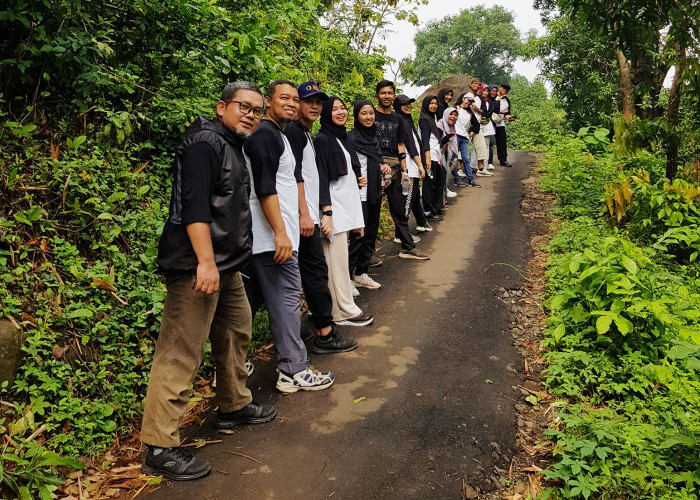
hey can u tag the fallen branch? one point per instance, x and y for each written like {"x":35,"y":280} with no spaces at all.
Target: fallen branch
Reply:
{"x":201,"y":443}
{"x":242,"y":455}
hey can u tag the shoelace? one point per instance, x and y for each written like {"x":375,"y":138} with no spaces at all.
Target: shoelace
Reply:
{"x":181,"y":453}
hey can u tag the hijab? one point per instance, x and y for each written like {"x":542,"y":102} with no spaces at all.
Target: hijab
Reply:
{"x":442,"y":105}
{"x":447,"y":128}
{"x":335,"y":162}
{"x":426,"y":114}
{"x":364,"y":141}
{"x":460,"y":98}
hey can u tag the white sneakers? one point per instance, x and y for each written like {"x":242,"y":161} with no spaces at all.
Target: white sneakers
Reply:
{"x":353,"y":289}
{"x":423,"y":229}
{"x":460,"y":173}
{"x":365,"y":281}
{"x":483,"y":173}
{"x":490,"y":167}
{"x":416,"y":239}
{"x":306,"y":380}
{"x":451,"y":194}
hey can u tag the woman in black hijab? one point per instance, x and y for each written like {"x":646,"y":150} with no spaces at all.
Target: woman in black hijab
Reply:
{"x":444,"y":98}
{"x":339,"y":171}
{"x":431,"y":137}
{"x":363,"y":139}
{"x":414,"y":163}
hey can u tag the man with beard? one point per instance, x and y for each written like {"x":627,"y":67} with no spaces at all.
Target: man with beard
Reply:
{"x":206,"y":242}
{"x":274,"y":205}
{"x":392,"y":136}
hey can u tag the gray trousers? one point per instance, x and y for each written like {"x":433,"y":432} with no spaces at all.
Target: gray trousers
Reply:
{"x":278,"y":286}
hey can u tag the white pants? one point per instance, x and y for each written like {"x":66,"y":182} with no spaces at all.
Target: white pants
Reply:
{"x":336,"y":253}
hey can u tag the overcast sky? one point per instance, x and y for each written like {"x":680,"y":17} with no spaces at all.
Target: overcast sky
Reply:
{"x":399,"y":43}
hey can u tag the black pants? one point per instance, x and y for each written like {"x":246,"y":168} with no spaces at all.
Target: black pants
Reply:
{"x":501,"y":147}
{"x":398,"y":208}
{"x":433,"y":189}
{"x":314,"y":279}
{"x":362,"y":248}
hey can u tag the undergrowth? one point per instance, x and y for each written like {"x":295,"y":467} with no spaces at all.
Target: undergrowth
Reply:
{"x":623,"y":333}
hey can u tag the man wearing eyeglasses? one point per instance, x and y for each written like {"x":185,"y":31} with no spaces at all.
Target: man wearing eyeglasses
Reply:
{"x":206,"y":241}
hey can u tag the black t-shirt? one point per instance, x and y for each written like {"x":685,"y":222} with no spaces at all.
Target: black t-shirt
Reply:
{"x":390,"y":132}
{"x":265,"y":148}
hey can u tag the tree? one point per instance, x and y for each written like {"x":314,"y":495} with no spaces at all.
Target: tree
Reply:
{"x":479,"y":41}
{"x":363,"y":20}
{"x":582,"y":70}
{"x":649,"y":37}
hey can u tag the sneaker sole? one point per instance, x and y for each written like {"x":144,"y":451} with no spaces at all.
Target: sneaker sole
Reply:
{"x":150,"y":471}
{"x":229,"y":424}
{"x":371,"y":287}
{"x":411,"y":256}
{"x":344,"y":322}
{"x":319,"y":350}
{"x":292,"y":390}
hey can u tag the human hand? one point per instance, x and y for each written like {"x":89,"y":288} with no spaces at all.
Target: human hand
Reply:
{"x":283,"y":248}
{"x":421,"y":171}
{"x":207,"y":280}
{"x":327,"y":225}
{"x":306,"y":225}
{"x":362,"y":181}
{"x":386,"y":169}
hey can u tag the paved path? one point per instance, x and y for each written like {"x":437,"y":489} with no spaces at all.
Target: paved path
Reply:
{"x":436,"y":371}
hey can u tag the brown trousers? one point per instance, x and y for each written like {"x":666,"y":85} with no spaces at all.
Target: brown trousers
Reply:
{"x":189,"y":318}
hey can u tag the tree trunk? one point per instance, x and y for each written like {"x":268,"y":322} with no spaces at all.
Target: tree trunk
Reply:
{"x":673,"y":115}
{"x":625,"y":85}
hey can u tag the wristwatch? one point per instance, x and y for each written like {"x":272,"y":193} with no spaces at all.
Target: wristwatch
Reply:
{"x":328,"y":213}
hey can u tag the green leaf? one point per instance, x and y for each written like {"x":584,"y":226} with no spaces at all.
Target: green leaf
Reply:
{"x":602,"y":324}
{"x":682,"y":439}
{"x":79,"y":313}
{"x":629,"y":264}
{"x":559,"y":332}
{"x":624,"y":325}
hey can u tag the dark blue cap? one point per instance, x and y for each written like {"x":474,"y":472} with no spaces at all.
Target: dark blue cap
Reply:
{"x":309,"y":89}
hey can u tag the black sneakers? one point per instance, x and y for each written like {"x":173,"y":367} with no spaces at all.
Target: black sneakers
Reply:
{"x":252,"y":413}
{"x":363,"y":319}
{"x":332,"y":343}
{"x":176,"y":464}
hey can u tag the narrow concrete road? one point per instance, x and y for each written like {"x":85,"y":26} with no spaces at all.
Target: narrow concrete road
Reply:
{"x":425,"y":401}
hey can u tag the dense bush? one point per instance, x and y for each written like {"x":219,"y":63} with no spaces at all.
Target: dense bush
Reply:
{"x":93,"y":99}
{"x":624,"y":333}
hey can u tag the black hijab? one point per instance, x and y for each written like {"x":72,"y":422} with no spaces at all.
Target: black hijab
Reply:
{"x":333,"y":160}
{"x":442,"y":105}
{"x":426,"y":114}
{"x":364,"y":140}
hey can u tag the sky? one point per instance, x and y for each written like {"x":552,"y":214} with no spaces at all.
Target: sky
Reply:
{"x":399,"y":42}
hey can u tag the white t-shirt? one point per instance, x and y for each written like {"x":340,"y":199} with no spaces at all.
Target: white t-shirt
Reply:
{"x":311,"y":184}
{"x":288,"y":194}
{"x":345,"y":199}
{"x":363,"y":171}
{"x":463,"y":122}
{"x":411,"y":165}
{"x":505,"y":106}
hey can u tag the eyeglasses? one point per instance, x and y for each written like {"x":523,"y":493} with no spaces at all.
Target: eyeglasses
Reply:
{"x":247,"y":108}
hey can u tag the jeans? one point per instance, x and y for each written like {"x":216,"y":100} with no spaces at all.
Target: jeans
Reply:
{"x":463,"y":145}
{"x":490,"y":141}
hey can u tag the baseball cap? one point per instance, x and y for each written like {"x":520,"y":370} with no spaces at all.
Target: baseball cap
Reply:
{"x":308,"y":89}
{"x":403,"y":99}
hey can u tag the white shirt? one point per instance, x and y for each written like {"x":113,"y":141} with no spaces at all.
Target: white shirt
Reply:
{"x":363,"y":171}
{"x":345,"y":199}
{"x":463,"y":124}
{"x":505,"y":106}
{"x":288,"y":194}
{"x":311,"y":184}
{"x":411,"y":165}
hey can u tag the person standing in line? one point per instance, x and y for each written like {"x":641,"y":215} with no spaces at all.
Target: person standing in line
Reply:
{"x":205,"y":244}
{"x":339,"y":169}
{"x":466,"y":128}
{"x":274,"y":204}
{"x":363,"y":139}
{"x":416,"y":171}
{"x":444,"y":98}
{"x":449,"y":150}
{"x":478,"y":107}
{"x":489,"y":128}
{"x":315,"y":219}
{"x":434,"y":182}
{"x":505,"y":114}
{"x":392,"y":136}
